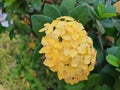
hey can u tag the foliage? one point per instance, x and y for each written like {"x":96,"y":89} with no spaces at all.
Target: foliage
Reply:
{"x":101,"y":19}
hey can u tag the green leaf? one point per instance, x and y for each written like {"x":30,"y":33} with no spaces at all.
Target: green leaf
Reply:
{"x":107,"y":23}
{"x":60,"y":85}
{"x":110,"y":9}
{"x":105,"y":11}
{"x":78,"y":86}
{"x":38,"y":21}
{"x":97,"y":2}
{"x":100,"y":27}
{"x":36,"y":4}
{"x":86,"y":1}
{"x":111,"y":32}
{"x":93,"y":14}
{"x":100,"y":8}
{"x":8,"y":2}
{"x":107,"y":72}
{"x":51,"y":11}
{"x":118,"y":69}
{"x":80,"y":13}
{"x":105,"y":87}
{"x":68,"y":4}
{"x":118,"y":41}
{"x":112,"y":60}
{"x":102,"y":87}
{"x":63,"y":11}
{"x":112,"y":50}
{"x":116,"y":24}
{"x":93,"y":80}
{"x":25,"y":28}
{"x":108,"y":15}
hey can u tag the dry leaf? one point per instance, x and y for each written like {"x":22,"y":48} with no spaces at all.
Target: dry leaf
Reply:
{"x":109,"y":38}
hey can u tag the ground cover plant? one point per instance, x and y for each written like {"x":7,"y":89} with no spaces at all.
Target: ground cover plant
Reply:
{"x":59,"y":45}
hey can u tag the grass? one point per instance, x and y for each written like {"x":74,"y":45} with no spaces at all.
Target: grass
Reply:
{"x":8,"y":50}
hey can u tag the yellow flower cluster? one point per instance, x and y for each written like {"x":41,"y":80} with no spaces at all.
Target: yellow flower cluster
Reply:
{"x":68,"y":49}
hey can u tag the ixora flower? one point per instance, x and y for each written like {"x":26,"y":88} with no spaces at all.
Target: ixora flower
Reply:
{"x":68,"y":49}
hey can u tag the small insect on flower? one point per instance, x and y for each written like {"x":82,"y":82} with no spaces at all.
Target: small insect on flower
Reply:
{"x":68,"y":49}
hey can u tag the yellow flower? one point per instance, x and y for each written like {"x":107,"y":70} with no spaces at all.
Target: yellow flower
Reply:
{"x":68,"y":49}
{"x":31,"y":45}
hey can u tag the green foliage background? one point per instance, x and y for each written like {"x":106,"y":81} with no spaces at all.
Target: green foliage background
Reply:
{"x":100,"y":20}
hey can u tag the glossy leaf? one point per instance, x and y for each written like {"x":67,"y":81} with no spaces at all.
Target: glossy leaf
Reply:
{"x":38,"y":21}
{"x":105,"y":11}
{"x":108,"y":15}
{"x":100,"y":9}
{"x":36,"y":4}
{"x":51,"y":11}
{"x":68,"y":4}
{"x":80,"y":13}
{"x":112,"y":60}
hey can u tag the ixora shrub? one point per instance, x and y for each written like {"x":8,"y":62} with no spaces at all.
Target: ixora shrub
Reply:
{"x":68,"y":49}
